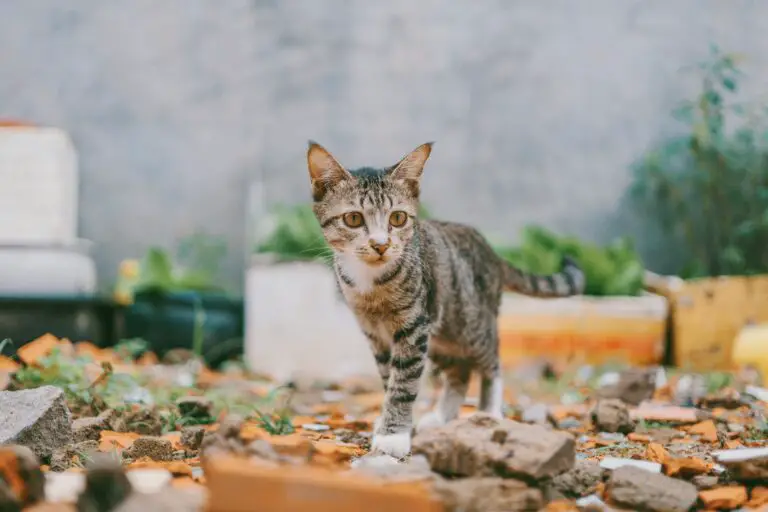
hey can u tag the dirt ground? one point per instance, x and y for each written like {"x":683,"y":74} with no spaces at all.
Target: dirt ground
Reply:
{"x":141,"y":432}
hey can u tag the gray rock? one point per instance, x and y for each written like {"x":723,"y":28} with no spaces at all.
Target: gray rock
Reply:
{"x":192,"y":437}
{"x":580,"y":481}
{"x":195,"y":407}
{"x":488,"y":494}
{"x":612,"y":415}
{"x":484,"y":446}
{"x":633,"y":386}
{"x":704,"y":482}
{"x":387,"y":468}
{"x":106,"y":485}
{"x":36,"y":418}
{"x":156,"y":448}
{"x":536,"y":413}
{"x":89,"y":429}
{"x":638,"y":489}
{"x":64,"y":458}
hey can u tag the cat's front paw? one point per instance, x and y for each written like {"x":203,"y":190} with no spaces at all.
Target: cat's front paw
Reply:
{"x":430,"y":420}
{"x":396,"y":445}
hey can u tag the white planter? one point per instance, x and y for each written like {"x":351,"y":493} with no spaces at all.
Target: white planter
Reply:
{"x":297,"y":325}
{"x":38,"y":186}
{"x":47,"y":269}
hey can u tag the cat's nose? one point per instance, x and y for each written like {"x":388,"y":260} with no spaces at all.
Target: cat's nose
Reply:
{"x":380,"y":245}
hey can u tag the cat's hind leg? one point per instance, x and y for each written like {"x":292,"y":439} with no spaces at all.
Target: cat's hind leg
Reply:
{"x":451,"y":397}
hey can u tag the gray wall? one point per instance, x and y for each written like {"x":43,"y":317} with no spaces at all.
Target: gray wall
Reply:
{"x":537,"y":108}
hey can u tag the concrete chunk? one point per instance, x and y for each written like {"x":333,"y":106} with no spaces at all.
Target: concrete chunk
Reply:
{"x":638,"y":489}
{"x":484,"y":446}
{"x":36,"y":418}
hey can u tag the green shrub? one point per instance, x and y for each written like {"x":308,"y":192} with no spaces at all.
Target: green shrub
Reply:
{"x":708,"y":188}
{"x":612,"y":270}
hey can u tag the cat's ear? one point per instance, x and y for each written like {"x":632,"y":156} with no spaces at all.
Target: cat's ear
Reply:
{"x":324,"y":170}
{"x":409,"y":169}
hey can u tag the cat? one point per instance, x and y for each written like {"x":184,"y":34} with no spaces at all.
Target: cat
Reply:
{"x":419,"y":289}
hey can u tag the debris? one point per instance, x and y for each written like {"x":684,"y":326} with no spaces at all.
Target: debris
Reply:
{"x":745,"y":464}
{"x":757,"y":392}
{"x":616,"y":463}
{"x":37,"y":418}
{"x":536,"y":413}
{"x":633,"y":386}
{"x":664,"y":413}
{"x":726,"y":398}
{"x":192,"y":437}
{"x":106,"y":486}
{"x":723,"y":498}
{"x":315,"y":427}
{"x":706,"y":429}
{"x":488,"y":494}
{"x":690,"y":389}
{"x":21,"y":481}
{"x":68,"y":456}
{"x":580,"y":481}
{"x":612,"y":415}
{"x":686,"y":467}
{"x":484,"y":446}
{"x":195,"y":407}
{"x":639,"y":489}
{"x":703,"y":482}
{"x":156,"y":448}
{"x":389,"y":469}
{"x":89,"y":429}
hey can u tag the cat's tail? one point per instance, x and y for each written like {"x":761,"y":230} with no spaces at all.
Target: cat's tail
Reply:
{"x":569,"y":281}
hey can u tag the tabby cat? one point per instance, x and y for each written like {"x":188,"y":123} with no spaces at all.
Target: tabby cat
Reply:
{"x":418,"y":288}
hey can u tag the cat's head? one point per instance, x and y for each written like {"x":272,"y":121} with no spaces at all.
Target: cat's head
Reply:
{"x":366,"y":214}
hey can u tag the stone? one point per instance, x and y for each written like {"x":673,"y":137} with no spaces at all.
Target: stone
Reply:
{"x":106,"y":486}
{"x":36,"y":418}
{"x":485,"y":446}
{"x":89,"y":429}
{"x":612,"y":415}
{"x":65,"y":457}
{"x":580,"y":481}
{"x":745,"y":464}
{"x":488,"y":494}
{"x":26,"y":469}
{"x":704,"y":482}
{"x":156,"y":448}
{"x":536,"y":413}
{"x":388,"y":468}
{"x":192,"y":437}
{"x":634,"y":386}
{"x":195,"y":407}
{"x":638,"y":489}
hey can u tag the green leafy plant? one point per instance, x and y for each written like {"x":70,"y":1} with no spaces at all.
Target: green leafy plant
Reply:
{"x":297,"y":236}
{"x":709,"y":187}
{"x":159,"y":273}
{"x":612,"y":270}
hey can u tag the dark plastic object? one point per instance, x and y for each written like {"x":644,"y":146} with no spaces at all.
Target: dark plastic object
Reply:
{"x":167,"y":321}
{"x":22,"y":319}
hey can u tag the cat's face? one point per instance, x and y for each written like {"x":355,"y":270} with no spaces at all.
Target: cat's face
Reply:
{"x":367,"y":215}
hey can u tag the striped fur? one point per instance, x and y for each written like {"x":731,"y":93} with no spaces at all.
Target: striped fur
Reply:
{"x":434,"y":293}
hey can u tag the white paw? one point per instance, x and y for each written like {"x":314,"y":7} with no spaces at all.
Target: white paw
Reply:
{"x":395,"y":445}
{"x":430,"y":420}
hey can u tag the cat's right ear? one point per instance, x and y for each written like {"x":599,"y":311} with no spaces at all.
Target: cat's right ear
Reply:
{"x":324,"y":170}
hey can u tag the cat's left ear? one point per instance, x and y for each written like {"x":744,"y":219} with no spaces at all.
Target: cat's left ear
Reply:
{"x":410,"y":168}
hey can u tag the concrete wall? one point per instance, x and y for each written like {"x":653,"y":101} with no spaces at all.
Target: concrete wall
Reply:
{"x":537,"y":108}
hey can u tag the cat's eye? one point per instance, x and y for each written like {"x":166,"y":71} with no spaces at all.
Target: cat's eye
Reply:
{"x":398,"y":219}
{"x":353,"y":219}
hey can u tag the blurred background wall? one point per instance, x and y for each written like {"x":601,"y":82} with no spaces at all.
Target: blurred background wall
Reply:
{"x":175,"y":106}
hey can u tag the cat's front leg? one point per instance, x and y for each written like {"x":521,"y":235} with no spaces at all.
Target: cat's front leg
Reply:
{"x":392,"y":434}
